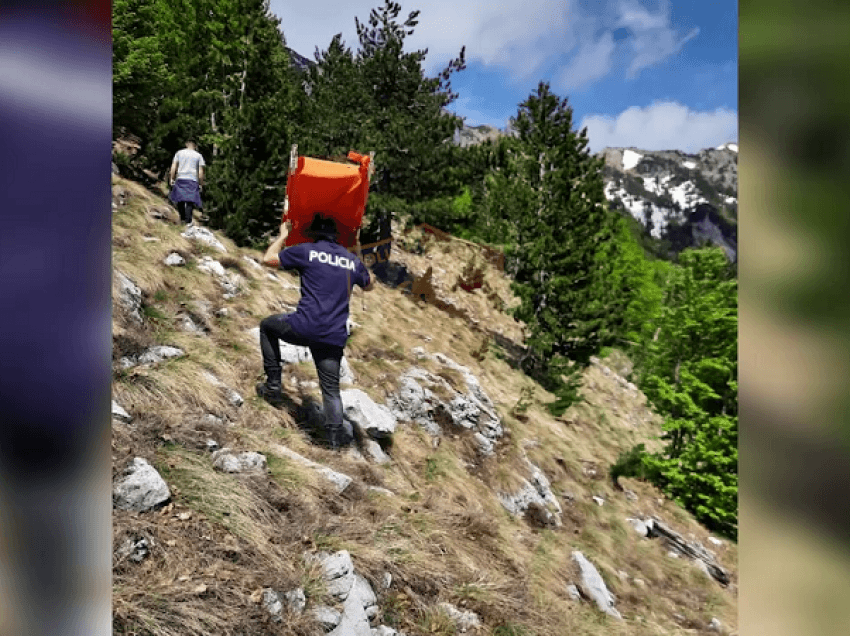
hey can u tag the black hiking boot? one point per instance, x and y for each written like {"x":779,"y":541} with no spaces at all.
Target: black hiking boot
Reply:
{"x":270,"y":390}
{"x":272,"y":395}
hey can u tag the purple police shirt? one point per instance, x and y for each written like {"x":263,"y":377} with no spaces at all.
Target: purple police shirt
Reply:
{"x":328,"y":274}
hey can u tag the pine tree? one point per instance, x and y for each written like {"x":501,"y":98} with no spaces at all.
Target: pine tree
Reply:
{"x":559,"y":260}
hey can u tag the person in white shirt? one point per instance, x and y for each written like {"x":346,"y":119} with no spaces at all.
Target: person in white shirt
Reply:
{"x":186,"y":179}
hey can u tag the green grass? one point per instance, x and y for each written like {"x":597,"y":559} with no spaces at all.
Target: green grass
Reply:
{"x":282,"y":471}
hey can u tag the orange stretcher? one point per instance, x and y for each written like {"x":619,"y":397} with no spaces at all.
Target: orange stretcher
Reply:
{"x":316,"y":185}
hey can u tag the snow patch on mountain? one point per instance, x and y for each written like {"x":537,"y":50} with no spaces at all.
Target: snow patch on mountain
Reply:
{"x":690,"y":165}
{"x":631,"y":159}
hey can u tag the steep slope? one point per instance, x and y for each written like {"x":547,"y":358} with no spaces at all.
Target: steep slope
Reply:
{"x":458,"y":509}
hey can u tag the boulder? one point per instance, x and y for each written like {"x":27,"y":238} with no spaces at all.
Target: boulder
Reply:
{"x":359,"y":606}
{"x":229,"y":461}
{"x":639,"y":525}
{"x":372,"y":419}
{"x":593,"y":586}
{"x":202,"y":234}
{"x":140,"y":487}
{"x":174,"y":260}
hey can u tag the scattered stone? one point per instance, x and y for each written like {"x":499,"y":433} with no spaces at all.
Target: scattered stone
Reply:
{"x":630,"y":495}
{"x":640,"y":526}
{"x":231,"y":282}
{"x":174,"y":260}
{"x":340,"y":481}
{"x":639,"y":582}
{"x":222,"y":313}
{"x":383,"y":491}
{"x":160,"y":353}
{"x":593,"y":586}
{"x":326,"y":616}
{"x":296,"y":600}
{"x":204,"y":235}
{"x":119,"y":413}
{"x":140,"y":487}
{"x":374,"y":420}
{"x":598,"y":500}
{"x":228,"y":461}
{"x":215,"y":420}
{"x":212,"y":445}
{"x":574,"y":593}
{"x":234,"y":398}
{"x":134,"y":548}
{"x":272,"y":603}
{"x":535,"y":495}
{"x":387,"y":580}
{"x":716,"y":541}
{"x":463,"y":620}
{"x":188,"y":325}
{"x":130,"y":297}
{"x":673,"y":554}
{"x":715,"y":625}
{"x":383,"y":630}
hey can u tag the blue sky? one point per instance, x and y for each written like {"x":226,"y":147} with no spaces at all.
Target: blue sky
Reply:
{"x":652,"y":74}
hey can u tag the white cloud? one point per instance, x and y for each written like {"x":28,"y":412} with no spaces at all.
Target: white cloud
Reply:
{"x":653,"y":37}
{"x":593,"y":61}
{"x":520,"y":37}
{"x":664,"y":125}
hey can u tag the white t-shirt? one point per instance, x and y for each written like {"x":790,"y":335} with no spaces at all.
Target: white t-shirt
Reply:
{"x":188,"y":162}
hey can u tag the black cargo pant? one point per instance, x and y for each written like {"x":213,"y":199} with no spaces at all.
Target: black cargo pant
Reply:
{"x":327,"y":358}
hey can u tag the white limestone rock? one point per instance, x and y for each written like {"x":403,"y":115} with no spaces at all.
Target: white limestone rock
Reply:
{"x":593,"y":586}
{"x":229,"y":461}
{"x":140,"y":487}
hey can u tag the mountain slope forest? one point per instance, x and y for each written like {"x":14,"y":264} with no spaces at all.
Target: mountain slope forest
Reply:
{"x":577,"y":394}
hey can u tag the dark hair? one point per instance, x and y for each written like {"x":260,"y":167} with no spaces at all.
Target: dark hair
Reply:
{"x":191,"y":141}
{"x":323,"y":226}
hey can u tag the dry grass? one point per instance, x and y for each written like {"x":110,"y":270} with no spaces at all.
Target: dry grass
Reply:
{"x":443,"y":535}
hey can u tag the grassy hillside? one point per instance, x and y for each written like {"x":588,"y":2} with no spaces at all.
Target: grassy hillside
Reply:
{"x":438,"y":526}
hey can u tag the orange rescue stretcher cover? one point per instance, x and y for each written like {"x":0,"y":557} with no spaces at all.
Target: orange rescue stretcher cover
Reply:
{"x":321,"y":185}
